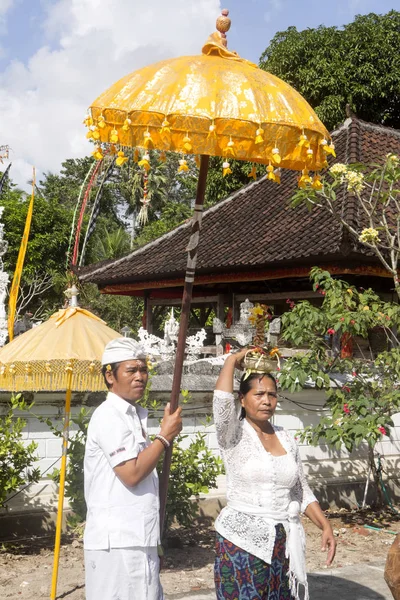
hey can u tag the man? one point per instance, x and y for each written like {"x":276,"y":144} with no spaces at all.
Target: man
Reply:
{"x":121,"y":484}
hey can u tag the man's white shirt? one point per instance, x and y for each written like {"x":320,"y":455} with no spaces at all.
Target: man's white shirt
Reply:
{"x":118,"y":516}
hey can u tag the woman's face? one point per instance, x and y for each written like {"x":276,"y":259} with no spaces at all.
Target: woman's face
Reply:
{"x":261,"y":400}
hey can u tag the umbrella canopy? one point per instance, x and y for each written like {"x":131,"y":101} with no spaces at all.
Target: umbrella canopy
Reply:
{"x":72,"y":340}
{"x":216,"y":104}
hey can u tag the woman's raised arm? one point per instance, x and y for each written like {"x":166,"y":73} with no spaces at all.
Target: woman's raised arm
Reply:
{"x":225,"y":378}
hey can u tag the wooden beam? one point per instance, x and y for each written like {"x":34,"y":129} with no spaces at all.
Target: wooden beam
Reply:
{"x":240,"y":276}
{"x":274,"y":297}
{"x":149,"y":317}
{"x":178,"y":301}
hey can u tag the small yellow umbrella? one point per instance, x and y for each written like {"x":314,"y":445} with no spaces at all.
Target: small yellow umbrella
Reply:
{"x":64,"y":353}
{"x":214,"y":104}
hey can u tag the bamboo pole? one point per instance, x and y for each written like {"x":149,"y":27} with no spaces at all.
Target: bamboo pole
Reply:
{"x":184,"y":322}
{"x":61,"y":486}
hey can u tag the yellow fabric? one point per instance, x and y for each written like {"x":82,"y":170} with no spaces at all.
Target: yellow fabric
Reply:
{"x":40,"y":359}
{"x":12,"y":301}
{"x":219,"y":89}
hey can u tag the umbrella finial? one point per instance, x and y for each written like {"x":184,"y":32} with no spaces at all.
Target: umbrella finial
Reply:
{"x":72,"y":295}
{"x":223,"y":25}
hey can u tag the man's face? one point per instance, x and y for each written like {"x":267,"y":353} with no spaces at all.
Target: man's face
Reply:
{"x":130,"y":380}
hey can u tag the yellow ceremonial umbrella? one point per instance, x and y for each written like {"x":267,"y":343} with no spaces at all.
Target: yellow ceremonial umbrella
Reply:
{"x":214,"y":104}
{"x":64,"y":353}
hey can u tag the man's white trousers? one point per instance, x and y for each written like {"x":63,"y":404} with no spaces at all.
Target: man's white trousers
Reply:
{"x":123,"y":574}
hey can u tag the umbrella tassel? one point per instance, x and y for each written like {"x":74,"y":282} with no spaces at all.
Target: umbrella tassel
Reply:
{"x":253,"y":172}
{"x":147,"y":139}
{"x":121,"y":158}
{"x":187,"y":146}
{"x":226,"y":169}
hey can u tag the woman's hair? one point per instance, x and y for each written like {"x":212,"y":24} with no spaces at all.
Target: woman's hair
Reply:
{"x":245,"y":386}
{"x":114,"y":369}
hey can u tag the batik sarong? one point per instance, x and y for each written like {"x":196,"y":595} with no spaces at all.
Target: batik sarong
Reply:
{"x":239,"y":575}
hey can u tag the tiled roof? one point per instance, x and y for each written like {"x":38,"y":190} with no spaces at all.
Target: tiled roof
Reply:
{"x":255,"y":227}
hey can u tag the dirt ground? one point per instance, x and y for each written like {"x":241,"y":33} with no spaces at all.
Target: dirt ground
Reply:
{"x":26,"y":566}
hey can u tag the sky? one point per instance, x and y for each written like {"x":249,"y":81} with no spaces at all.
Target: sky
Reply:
{"x":57,"y":56}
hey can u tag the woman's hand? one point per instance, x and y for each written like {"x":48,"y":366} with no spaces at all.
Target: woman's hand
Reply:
{"x":328,"y":543}
{"x":225,"y":378}
{"x":239,"y":356}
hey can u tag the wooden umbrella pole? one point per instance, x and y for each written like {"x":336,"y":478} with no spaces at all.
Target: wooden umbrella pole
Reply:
{"x":61,"y":487}
{"x":184,"y":322}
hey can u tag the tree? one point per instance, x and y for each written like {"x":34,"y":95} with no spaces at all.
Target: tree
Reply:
{"x":110,"y":244}
{"x":332,"y":67}
{"x":362,"y":393}
{"x":375,"y":192}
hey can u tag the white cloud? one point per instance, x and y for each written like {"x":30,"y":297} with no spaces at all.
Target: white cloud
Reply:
{"x":90,"y":45}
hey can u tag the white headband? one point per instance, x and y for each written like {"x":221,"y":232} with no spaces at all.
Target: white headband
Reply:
{"x":122,"y":349}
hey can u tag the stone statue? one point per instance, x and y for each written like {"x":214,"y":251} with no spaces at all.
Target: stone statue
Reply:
{"x":171,"y":330}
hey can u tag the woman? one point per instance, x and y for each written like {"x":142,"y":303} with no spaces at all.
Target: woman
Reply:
{"x":260,"y":540}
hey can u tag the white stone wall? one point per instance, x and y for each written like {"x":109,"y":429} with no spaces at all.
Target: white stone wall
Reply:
{"x":324,"y":466}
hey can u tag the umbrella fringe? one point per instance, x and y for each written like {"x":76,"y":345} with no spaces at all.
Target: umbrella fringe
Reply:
{"x":52,"y":382}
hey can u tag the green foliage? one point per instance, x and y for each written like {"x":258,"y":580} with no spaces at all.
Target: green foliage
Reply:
{"x":361,"y":408}
{"x":110,"y":244}
{"x":16,"y":458}
{"x":194,"y":471}
{"x":74,"y":484}
{"x":117,"y":311}
{"x":172,"y":215}
{"x":331,"y":67}
{"x":48,"y":239}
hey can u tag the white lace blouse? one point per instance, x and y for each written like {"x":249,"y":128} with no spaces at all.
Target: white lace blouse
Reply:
{"x":259,"y":486}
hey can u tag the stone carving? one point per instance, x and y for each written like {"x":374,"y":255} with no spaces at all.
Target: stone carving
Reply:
{"x":165,"y":348}
{"x":242,"y":332}
{"x":194,"y":343}
{"x":171,"y":330}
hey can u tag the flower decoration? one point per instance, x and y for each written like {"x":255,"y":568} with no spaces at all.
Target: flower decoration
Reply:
{"x":331,"y":331}
{"x":101,"y":122}
{"x":346,"y":408}
{"x":382,"y":430}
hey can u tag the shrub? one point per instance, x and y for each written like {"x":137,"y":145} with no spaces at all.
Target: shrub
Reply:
{"x":16,"y":458}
